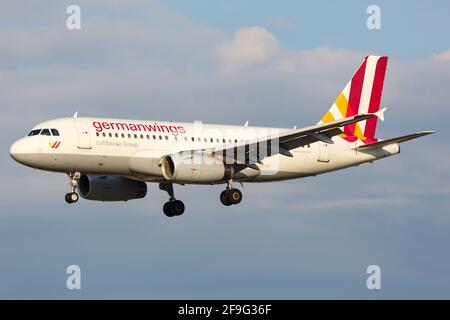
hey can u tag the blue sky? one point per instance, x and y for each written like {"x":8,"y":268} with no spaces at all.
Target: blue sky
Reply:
{"x":307,"y":238}
{"x":330,"y":23}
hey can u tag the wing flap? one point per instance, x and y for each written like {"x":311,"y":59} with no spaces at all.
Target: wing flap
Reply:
{"x":310,"y":138}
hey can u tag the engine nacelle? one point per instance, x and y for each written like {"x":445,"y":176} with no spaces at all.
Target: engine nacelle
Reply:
{"x":202,"y":169}
{"x":111,"y":188}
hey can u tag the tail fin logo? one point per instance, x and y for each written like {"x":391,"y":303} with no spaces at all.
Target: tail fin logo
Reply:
{"x":362,"y":94}
{"x":54,"y":145}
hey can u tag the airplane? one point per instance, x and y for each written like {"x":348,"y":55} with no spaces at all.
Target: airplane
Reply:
{"x":113,"y":159}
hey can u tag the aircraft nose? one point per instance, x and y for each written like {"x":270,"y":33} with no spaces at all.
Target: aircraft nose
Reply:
{"x":18,"y":151}
{"x":13,"y":150}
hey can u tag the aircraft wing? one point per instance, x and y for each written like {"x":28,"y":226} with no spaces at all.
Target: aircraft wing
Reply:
{"x":287,"y":140}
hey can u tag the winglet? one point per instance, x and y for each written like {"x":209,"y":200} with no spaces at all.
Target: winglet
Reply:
{"x":75,"y":114}
{"x":380,"y":113}
{"x":246,"y":124}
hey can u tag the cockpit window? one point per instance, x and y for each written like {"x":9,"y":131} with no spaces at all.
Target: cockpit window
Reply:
{"x":45,"y":132}
{"x":34,"y":132}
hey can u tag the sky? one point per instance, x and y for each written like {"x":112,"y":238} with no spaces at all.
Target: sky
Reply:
{"x":274,"y":63}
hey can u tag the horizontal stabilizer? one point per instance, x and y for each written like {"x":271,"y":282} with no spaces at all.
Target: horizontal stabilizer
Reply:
{"x":383,"y":143}
{"x":380,"y":113}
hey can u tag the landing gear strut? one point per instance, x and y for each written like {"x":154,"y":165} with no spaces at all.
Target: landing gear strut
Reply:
{"x":173,"y":207}
{"x":72,"y":196}
{"x":230,"y":195}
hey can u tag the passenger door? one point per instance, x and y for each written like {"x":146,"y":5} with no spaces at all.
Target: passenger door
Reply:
{"x":324,"y":152}
{"x":84,"y":137}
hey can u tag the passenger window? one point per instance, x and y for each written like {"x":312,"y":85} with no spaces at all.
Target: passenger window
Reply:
{"x":148,"y":137}
{"x":55,"y":132}
{"x":160,"y":137}
{"x":45,"y":132}
{"x":129,"y":135}
{"x":104,"y":134}
{"x":123,"y":135}
{"x":97,"y":134}
{"x":34,"y":132}
{"x":117,"y":135}
{"x":142,"y":136}
{"x":135,"y":136}
{"x":110,"y":135}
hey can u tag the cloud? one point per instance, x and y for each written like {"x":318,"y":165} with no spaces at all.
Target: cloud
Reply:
{"x":445,"y":55}
{"x":318,"y":61}
{"x":148,"y":33}
{"x":250,"y":46}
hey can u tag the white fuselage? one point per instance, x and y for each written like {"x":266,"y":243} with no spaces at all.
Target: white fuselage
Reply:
{"x":135,"y":148}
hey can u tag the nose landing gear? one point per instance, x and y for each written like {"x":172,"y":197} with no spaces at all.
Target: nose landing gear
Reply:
{"x":230,"y":195}
{"x":173,"y":207}
{"x":72,"y":196}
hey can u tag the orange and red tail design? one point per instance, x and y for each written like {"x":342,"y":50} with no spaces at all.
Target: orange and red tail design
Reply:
{"x":362,"y":94}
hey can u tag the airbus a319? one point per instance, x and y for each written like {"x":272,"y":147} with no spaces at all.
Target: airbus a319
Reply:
{"x":113,"y":159}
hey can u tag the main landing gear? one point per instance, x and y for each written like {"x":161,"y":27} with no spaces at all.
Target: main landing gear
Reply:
{"x":173,"y":207}
{"x":230,"y":195}
{"x":72,"y":196}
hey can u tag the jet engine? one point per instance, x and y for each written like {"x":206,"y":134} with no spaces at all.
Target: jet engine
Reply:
{"x":201,"y":169}
{"x":111,"y":188}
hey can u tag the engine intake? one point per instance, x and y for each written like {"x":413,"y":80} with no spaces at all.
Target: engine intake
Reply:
{"x":111,"y":188}
{"x":201,"y":169}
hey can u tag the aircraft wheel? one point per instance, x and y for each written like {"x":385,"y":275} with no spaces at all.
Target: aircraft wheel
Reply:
{"x":174,"y":208}
{"x":224,"y":198}
{"x":178,"y":207}
{"x":71,"y":197}
{"x":167,"y":208}
{"x":234,"y":196}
